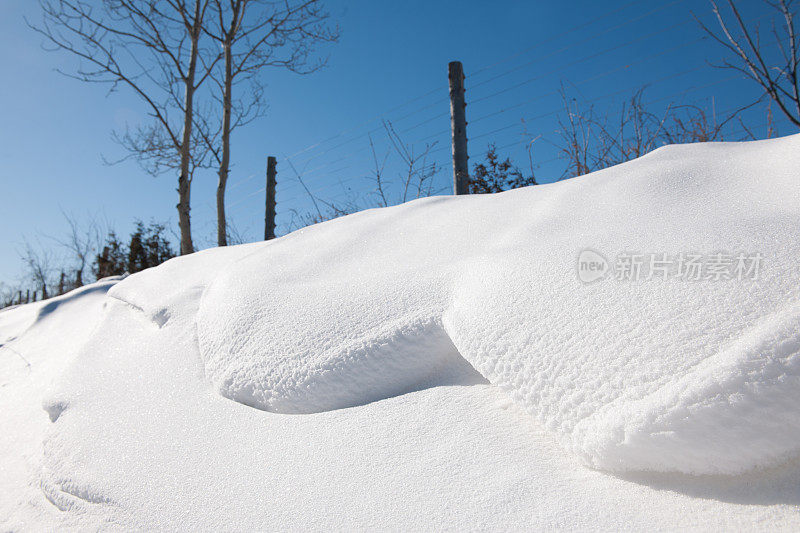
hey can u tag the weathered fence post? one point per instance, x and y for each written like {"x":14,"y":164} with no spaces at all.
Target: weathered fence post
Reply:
{"x":458,"y":126}
{"x":28,"y":296}
{"x":269,"y":215}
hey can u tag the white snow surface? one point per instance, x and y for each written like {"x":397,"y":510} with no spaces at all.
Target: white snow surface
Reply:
{"x":666,"y":375}
{"x":433,"y":365}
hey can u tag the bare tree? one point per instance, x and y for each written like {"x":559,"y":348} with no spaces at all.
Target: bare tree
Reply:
{"x":254,"y":35}
{"x":38,"y":262}
{"x":779,"y":81}
{"x":575,"y":137}
{"x":415,"y":175}
{"x":689,"y":123}
{"x":7,"y":294}
{"x":590,"y":141}
{"x":154,"y":48}
{"x":81,"y":241}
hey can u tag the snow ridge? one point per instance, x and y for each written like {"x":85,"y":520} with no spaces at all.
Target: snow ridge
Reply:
{"x":664,"y":375}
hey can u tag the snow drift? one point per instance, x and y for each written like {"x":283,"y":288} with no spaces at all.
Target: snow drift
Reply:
{"x":171,"y":394}
{"x":695,"y":376}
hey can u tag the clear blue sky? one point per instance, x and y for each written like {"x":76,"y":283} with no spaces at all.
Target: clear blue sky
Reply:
{"x":56,"y":129}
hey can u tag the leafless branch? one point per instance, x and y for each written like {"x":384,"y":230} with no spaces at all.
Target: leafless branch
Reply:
{"x":741,"y":39}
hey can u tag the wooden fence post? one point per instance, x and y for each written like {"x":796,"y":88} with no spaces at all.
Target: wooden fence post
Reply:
{"x":458,"y":126}
{"x":269,"y":215}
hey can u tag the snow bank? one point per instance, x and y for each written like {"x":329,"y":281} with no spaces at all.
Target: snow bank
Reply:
{"x":436,"y":299}
{"x":651,"y":374}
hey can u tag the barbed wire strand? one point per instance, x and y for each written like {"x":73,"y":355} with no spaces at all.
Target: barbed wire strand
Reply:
{"x":493,"y":65}
{"x":316,"y":169}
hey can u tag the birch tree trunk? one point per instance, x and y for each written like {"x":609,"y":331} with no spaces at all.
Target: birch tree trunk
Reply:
{"x":184,"y":179}
{"x":222,"y":231}
{"x":254,"y":34}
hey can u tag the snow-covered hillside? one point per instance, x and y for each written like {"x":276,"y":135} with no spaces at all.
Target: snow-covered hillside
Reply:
{"x":616,"y":351}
